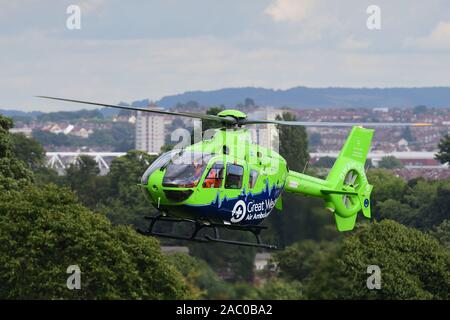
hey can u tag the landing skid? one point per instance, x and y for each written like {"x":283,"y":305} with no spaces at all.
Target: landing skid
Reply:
{"x":198,"y":226}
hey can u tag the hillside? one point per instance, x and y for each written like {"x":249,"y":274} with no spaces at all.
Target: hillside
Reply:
{"x":302,"y":97}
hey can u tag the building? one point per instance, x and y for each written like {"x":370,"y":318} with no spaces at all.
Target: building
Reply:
{"x":261,"y":261}
{"x":265,"y":135}
{"x":150,"y":131}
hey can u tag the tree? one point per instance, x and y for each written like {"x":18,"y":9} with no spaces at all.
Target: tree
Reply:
{"x":200,"y":276}
{"x":123,"y":200}
{"x":10,"y":166}
{"x":211,"y":124}
{"x":444,"y":150}
{"x":385,"y":186}
{"x":315,"y":139}
{"x":325,"y":162}
{"x":82,"y":178}
{"x":278,"y":289}
{"x":301,"y":217}
{"x":298,"y":261}
{"x":293,"y":143}
{"x":413,"y":265}
{"x":248,"y":102}
{"x":28,"y":150}
{"x":44,"y":230}
{"x":407,"y":135}
{"x":420,"y":109}
{"x":442,"y":233}
{"x":390,"y":162}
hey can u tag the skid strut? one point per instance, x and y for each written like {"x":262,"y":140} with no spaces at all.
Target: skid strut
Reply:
{"x":198,"y":226}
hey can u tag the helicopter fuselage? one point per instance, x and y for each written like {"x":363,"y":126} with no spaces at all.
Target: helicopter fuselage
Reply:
{"x":226,"y":179}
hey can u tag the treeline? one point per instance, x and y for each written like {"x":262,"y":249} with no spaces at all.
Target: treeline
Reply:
{"x":48,"y":222}
{"x":70,"y":115}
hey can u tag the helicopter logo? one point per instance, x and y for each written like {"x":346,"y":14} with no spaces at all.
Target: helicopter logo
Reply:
{"x":238,"y":212}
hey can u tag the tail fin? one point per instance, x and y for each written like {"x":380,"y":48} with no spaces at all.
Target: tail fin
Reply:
{"x":349,"y":191}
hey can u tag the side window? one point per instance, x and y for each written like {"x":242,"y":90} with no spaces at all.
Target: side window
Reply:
{"x":234,"y":177}
{"x":215,"y":176}
{"x":253,"y":176}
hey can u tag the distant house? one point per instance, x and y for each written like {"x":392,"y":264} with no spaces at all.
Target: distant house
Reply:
{"x":68,"y":129}
{"x":81,"y":132}
{"x":263,"y":268}
{"x":261,"y":261}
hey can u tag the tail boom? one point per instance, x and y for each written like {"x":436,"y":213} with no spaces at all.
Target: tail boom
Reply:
{"x":346,"y":190}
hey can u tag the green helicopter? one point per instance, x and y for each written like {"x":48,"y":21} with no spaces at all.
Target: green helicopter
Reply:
{"x":228,"y":182}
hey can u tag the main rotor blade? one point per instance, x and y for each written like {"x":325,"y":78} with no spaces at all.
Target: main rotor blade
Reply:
{"x":336,"y":124}
{"x":182,"y":114}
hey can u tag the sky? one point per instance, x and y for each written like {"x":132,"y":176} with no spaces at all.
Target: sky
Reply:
{"x":131,"y":50}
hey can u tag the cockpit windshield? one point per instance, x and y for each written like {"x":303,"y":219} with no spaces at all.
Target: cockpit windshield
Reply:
{"x":185,"y":169}
{"x":157,"y":164}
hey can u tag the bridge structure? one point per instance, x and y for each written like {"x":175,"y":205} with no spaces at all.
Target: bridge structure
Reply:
{"x":60,"y":161}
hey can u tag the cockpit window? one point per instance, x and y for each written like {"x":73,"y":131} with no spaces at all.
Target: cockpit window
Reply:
{"x":157,"y":164}
{"x":185,"y":170}
{"x":234,"y":177}
{"x":215,"y":176}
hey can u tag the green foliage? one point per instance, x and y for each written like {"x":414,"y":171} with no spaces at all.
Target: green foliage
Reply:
{"x":44,"y":230}
{"x":236,"y":262}
{"x":10,"y":167}
{"x":442,"y":233}
{"x":385,"y":185}
{"x":69,"y":115}
{"x":325,"y":162}
{"x":199,"y":275}
{"x":407,"y":135}
{"x":270,"y":289}
{"x":444,"y":150}
{"x":277,"y":289}
{"x":210,"y":124}
{"x":82,"y":178}
{"x":420,"y":109}
{"x":301,"y":217}
{"x":413,"y":265}
{"x":298,"y":261}
{"x":418,"y":203}
{"x":248,"y":102}
{"x":47,"y":138}
{"x":390,"y":162}
{"x":293,"y":143}
{"x":315,"y":139}
{"x":28,"y":150}
{"x":120,"y":137}
{"x":122,"y":198}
